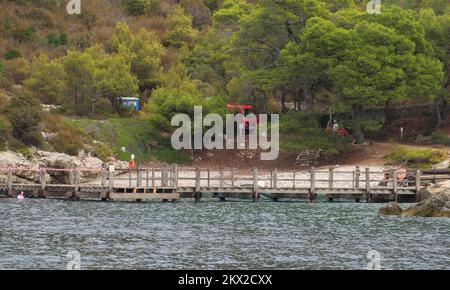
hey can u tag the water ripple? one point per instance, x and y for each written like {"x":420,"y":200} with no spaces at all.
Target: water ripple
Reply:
{"x":37,"y":234}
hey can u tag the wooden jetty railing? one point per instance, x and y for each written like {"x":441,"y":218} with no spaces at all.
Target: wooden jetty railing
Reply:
{"x":171,"y":183}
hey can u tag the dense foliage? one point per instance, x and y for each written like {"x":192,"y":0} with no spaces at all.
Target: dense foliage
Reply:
{"x":310,"y":56}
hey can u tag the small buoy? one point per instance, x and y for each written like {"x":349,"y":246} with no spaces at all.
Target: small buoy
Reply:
{"x":21,"y":196}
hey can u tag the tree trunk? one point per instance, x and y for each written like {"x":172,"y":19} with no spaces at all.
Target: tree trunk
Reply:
{"x":309,"y":99}
{"x":264,"y":103}
{"x":358,"y":135}
{"x":438,"y":113}
{"x":296,"y":101}
{"x":283,"y":101}
{"x":387,"y":116}
{"x":76,"y":96}
{"x":444,"y":110}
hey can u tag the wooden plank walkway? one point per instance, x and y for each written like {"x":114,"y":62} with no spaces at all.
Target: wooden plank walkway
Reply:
{"x":173,"y":183}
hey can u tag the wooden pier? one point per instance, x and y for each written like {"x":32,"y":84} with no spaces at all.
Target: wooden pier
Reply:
{"x":173,"y":183}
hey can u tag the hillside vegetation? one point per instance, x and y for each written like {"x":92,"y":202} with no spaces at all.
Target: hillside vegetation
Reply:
{"x":308,"y":57}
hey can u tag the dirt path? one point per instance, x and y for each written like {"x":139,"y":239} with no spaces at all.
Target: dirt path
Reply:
{"x":369,"y":154}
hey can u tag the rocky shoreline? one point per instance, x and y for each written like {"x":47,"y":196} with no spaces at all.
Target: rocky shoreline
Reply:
{"x":436,"y":205}
{"x":47,"y":159}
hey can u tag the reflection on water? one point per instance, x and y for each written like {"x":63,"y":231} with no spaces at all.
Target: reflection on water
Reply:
{"x":215,"y":235}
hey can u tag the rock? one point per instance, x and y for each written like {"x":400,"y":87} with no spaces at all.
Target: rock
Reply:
{"x":119,"y":164}
{"x":51,"y":160}
{"x":443,"y":165}
{"x":17,"y":160}
{"x":435,"y":206}
{"x":392,"y":208}
{"x":48,"y":136}
{"x":307,"y":157}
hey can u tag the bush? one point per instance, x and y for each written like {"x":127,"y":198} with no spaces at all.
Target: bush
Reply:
{"x":64,"y":142}
{"x":25,"y":151}
{"x":19,"y":147}
{"x":12,"y":54}
{"x":17,"y":69}
{"x":440,"y":137}
{"x":24,"y":34}
{"x":140,"y":7}
{"x":68,"y":139}
{"x":63,"y":40}
{"x":300,"y":131}
{"x":53,"y":39}
{"x":102,"y":151}
{"x":5,"y":131}
{"x":421,"y":158}
{"x":24,"y":114}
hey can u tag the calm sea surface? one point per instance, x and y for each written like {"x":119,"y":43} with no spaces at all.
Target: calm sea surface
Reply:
{"x":39,"y":233}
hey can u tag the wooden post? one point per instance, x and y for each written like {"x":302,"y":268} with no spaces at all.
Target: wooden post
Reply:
{"x":368,"y":183}
{"x":418,"y":185}
{"x":71,"y":177}
{"x":221,"y":177}
{"x":104,"y":179}
{"x":353,"y":180}
{"x":434,"y":174}
{"x":9,"y":182}
{"x":175,"y":176}
{"x":255,"y":183}
{"x":394,"y":183}
{"x":197,"y":194}
{"x":293,"y":179}
{"x":312,"y":181}
{"x":209,"y":175}
{"x":232,"y":178}
{"x":153,"y":179}
{"x":330,"y":178}
{"x":77,"y":180}
{"x":275,"y":178}
{"x":42,"y":173}
{"x":110,"y":179}
{"x":197,"y":179}
{"x":164,"y":176}
{"x":271,"y":178}
{"x":138,"y":176}
{"x":357,"y":176}
{"x":129,"y":177}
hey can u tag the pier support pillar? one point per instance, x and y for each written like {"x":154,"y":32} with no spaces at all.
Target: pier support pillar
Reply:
{"x":9,"y":183}
{"x":197,"y":196}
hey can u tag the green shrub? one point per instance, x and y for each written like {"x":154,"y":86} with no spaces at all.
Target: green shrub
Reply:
{"x":63,"y":40}
{"x":24,"y":34}
{"x":102,"y":151}
{"x":422,"y":158}
{"x":440,"y":137}
{"x":12,"y":54}
{"x":25,"y":151}
{"x":5,"y":131}
{"x":300,"y":131}
{"x":41,"y":15}
{"x":24,"y":114}
{"x":68,"y":139}
{"x":52,"y":39}
{"x":140,"y":7}
{"x":19,"y":147}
